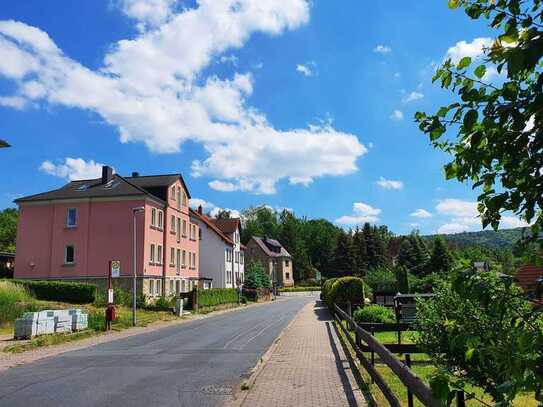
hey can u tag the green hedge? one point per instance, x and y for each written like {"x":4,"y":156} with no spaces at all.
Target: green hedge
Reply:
{"x":217,"y":296}
{"x":374,"y":313}
{"x":298,"y":289}
{"x":77,"y":293}
{"x":346,"y":290}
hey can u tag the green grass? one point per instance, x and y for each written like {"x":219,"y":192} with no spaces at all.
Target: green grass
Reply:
{"x":14,"y":301}
{"x":48,"y":340}
{"x":422,"y":367}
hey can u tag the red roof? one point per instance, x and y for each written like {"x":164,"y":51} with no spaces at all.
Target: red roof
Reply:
{"x":227,"y":225}
{"x":209,"y":223}
{"x":527,"y":276}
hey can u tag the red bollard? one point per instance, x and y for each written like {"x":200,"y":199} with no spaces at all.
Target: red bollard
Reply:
{"x":110,"y":316}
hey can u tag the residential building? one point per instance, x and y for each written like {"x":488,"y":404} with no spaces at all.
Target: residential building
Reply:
{"x":72,"y":233}
{"x":222,"y":254}
{"x":274,"y":257}
{"x":529,"y":278}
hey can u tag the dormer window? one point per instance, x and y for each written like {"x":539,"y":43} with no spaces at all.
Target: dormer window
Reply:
{"x":71,"y":217}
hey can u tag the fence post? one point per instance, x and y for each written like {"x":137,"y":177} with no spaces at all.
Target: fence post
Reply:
{"x":372,"y":352}
{"x":409,"y":394}
{"x":195,"y":299}
{"x":349,"y":312}
{"x":460,"y":399}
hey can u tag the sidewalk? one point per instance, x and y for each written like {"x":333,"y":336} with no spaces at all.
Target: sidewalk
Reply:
{"x":307,"y":367}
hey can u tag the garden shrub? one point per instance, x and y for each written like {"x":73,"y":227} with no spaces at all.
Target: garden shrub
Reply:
{"x":217,"y":296}
{"x":374,"y":313}
{"x":381,"y":279}
{"x":256,"y":277}
{"x":346,"y":290}
{"x":15,"y":300}
{"x":326,"y":286}
{"x":77,"y":293}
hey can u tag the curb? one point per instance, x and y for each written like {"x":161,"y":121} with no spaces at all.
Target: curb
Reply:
{"x":247,"y":384}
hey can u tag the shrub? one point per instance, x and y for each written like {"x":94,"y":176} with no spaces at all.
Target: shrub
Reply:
{"x":426,"y":284}
{"x":374,"y":313}
{"x":326,"y":287}
{"x":347,"y":290}
{"x":256,"y":277}
{"x":77,"y":293}
{"x":162,"y":303}
{"x":217,"y":296}
{"x":381,"y":280}
{"x":14,"y":301}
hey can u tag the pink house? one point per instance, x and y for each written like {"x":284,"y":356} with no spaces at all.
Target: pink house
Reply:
{"x":73,"y":232}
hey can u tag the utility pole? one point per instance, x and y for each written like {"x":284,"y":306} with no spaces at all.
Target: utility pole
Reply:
{"x":135,"y":265}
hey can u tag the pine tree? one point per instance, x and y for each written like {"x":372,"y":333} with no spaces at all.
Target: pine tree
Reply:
{"x":343,"y":262}
{"x":420,"y":254}
{"x":406,"y":257}
{"x":402,"y":279}
{"x":441,"y":260}
{"x":360,"y":254}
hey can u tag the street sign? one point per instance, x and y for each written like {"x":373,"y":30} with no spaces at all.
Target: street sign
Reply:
{"x":115,"y":268}
{"x":110,"y":296}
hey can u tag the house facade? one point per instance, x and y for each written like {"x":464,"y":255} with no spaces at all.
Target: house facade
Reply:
{"x":222,"y":254}
{"x":274,"y":257}
{"x":530,"y":278}
{"x":73,"y":232}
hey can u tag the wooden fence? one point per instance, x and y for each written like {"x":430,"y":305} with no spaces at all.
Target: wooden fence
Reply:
{"x":365,"y":342}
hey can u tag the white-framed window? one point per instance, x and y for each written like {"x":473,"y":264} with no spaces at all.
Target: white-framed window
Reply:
{"x":151,"y":287}
{"x":158,"y":287}
{"x":236,"y":256}
{"x":71,"y":217}
{"x":173,"y":193}
{"x":178,"y":198}
{"x":172,"y":256}
{"x":69,"y":254}
{"x":241,"y":257}
{"x":190,"y":260}
{"x":192,"y":232}
{"x":160,"y":219}
{"x":183,"y":258}
{"x":193,"y":260}
{"x":171,"y":287}
{"x":184,"y":228}
{"x":153,"y":216}
{"x":172,"y":224}
{"x":178,"y":230}
{"x":287,"y":263}
{"x":159,"y":254}
{"x":152,"y":254}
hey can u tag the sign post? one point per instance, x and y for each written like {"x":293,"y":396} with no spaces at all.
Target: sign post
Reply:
{"x":114,"y":271}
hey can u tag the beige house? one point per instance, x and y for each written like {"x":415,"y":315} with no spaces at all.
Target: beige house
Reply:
{"x":274,"y":257}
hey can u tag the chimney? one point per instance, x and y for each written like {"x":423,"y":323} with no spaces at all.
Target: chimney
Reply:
{"x":107,"y":174}
{"x":200,"y":211}
{"x":135,"y":174}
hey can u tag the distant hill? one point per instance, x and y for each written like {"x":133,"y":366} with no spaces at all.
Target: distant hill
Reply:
{"x":486,"y":238}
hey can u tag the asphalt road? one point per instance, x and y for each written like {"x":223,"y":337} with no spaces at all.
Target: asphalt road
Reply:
{"x":195,"y":364}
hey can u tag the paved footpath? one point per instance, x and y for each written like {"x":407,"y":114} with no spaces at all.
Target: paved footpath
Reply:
{"x":306,"y":368}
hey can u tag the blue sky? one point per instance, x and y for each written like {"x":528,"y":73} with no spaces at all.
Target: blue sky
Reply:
{"x":307,"y":106}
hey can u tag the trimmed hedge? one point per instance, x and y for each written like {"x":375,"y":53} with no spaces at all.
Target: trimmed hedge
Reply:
{"x":325,"y":292}
{"x":374,"y":313}
{"x":217,"y":296}
{"x":346,"y":290}
{"x":298,"y":289}
{"x":76,"y":293}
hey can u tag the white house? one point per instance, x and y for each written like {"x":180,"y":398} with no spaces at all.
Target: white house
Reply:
{"x":222,"y":255}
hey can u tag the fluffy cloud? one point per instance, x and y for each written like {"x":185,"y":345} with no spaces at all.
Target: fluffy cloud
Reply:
{"x":306,"y":70}
{"x":73,"y":169}
{"x":421,"y":213}
{"x":465,"y":217}
{"x":389,"y":184}
{"x":15,"y":102}
{"x":153,"y":90}
{"x":212,"y":209}
{"x":473,"y":49}
{"x":382,"y":49}
{"x":396,"y":115}
{"x":411,"y":97}
{"x":362,"y":213}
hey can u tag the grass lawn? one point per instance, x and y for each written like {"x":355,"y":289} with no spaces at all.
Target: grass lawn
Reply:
{"x":422,"y":367}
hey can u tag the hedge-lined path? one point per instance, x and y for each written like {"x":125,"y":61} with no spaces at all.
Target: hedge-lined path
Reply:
{"x":307,"y":367}
{"x":197,"y":363}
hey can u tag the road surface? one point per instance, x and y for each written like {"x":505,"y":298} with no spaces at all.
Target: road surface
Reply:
{"x":198,"y":363}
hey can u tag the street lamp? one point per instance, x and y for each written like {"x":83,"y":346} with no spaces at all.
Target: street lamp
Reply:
{"x":134,"y":265}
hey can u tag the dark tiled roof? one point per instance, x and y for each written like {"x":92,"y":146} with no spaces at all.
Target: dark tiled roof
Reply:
{"x":265,"y":244}
{"x":155,"y":181}
{"x":527,"y":276}
{"x":227,"y":225}
{"x":210,"y":224}
{"x":91,"y":188}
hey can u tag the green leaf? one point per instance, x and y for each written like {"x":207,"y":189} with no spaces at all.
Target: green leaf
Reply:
{"x":470,"y":118}
{"x":480,"y":71}
{"x":454,"y":4}
{"x":469,"y":353}
{"x":439,"y":384}
{"x":464,"y":62}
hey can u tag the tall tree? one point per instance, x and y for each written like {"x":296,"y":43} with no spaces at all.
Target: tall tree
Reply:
{"x":8,"y":229}
{"x":224,"y":214}
{"x":441,"y":260}
{"x":497,"y":126}
{"x":420,"y":254}
{"x":360,"y":253}
{"x":343,"y":261}
{"x":290,"y":236}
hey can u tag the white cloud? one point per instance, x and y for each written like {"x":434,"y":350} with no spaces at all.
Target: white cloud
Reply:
{"x":411,"y":97}
{"x":153,"y":89}
{"x":450,"y":228}
{"x":148,"y":12}
{"x":307,"y":69}
{"x":382,"y":49}
{"x":396,"y":115}
{"x":473,"y":49}
{"x":229,"y":59}
{"x":15,"y":102}
{"x":212,"y":209}
{"x":421,"y":213}
{"x":389,"y":184}
{"x":362,"y":213}
{"x":457,"y":207}
{"x":73,"y":169}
